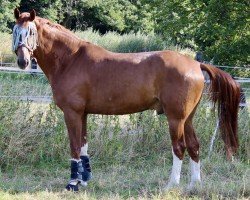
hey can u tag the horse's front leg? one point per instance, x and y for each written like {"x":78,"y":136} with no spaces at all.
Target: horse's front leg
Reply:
{"x":73,"y":121}
{"x":86,"y":175}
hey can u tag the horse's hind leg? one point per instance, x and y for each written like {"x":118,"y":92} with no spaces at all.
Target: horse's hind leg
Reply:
{"x":176,"y":128}
{"x":178,"y":109}
{"x":192,"y":143}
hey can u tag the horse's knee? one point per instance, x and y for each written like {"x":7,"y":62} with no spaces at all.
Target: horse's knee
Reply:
{"x":193,"y":150}
{"x":179,"y":149}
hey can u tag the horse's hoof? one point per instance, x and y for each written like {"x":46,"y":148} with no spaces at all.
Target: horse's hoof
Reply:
{"x":194,"y":186}
{"x":83,"y":183}
{"x":73,"y":188}
{"x":170,"y":186}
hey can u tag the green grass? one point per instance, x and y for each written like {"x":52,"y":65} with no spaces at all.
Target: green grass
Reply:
{"x":142,"y":179}
{"x":5,"y":43}
{"x":130,"y":154}
{"x":13,"y":84}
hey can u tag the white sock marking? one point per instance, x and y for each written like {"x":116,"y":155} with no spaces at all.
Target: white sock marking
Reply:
{"x":84,"y":150}
{"x":73,"y":159}
{"x":73,"y":182}
{"x":195,"y":172}
{"x":176,"y":171}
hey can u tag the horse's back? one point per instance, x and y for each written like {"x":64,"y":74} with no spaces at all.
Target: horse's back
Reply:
{"x":130,"y":83}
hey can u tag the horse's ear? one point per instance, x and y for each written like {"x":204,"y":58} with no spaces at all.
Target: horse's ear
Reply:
{"x":32,"y":15}
{"x":16,"y":13}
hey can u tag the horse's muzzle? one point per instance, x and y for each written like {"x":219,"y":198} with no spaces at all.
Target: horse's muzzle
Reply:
{"x":23,"y":63}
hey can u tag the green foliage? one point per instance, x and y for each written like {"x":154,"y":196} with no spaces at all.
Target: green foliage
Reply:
{"x":5,"y":44}
{"x":44,"y":8}
{"x":6,"y":13}
{"x":224,"y":32}
{"x":218,"y":28}
{"x":118,"y":15}
{"x":131,"y":42}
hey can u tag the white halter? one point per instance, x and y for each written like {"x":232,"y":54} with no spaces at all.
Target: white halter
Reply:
{"x":25,"y":36}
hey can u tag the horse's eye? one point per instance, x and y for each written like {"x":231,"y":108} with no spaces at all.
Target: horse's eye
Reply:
{"x":32,"y":32}
{"x":23,"y":35}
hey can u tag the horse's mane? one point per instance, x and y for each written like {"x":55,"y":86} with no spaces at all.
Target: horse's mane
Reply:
{"x":65,"y":33}
{"x":51,"y":24}
{"x":58,"y":27}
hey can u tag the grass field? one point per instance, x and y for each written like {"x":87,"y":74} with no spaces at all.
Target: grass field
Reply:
{"x":131,"y":155}
{"x":141,"y":179}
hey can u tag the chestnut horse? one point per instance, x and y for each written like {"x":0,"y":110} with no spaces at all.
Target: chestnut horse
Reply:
{"x":87,"y":79}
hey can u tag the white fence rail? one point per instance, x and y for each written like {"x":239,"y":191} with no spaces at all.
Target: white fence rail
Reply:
{"x":18,"y":70}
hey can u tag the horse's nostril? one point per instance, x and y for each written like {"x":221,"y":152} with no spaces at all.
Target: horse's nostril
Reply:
{"x":23,"y":63}
{"x":27,"y":62}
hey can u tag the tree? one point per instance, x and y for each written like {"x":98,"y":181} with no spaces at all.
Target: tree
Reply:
{"x":6,"y":14}
{"x":118,"y":15}
{"x":219,"y":28}
{"x":224,"y":33}
{"x":44,"y":8}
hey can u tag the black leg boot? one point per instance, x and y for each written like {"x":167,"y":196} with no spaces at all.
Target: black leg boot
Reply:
{"x":86,"y":175}
{"x":76,"y":176}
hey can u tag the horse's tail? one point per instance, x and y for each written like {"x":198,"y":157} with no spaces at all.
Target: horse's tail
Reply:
{"x":226,"y":92}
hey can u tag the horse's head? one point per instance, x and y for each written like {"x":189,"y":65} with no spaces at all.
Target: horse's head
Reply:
{"x":24,"y":37}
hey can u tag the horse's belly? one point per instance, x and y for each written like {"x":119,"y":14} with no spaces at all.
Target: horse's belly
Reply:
{"x":122,"y":105}
{"x":123,"y":91}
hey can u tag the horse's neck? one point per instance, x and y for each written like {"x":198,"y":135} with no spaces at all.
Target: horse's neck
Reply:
{"x":55,"y":49}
